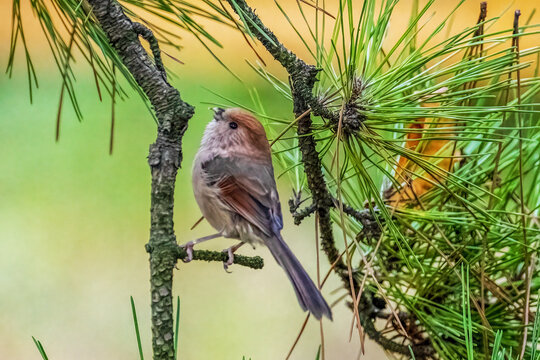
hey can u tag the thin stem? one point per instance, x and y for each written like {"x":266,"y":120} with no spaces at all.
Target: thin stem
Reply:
{"x":254,"y":262}
{"x":526,"y":255}
{"x":64,"y":79}
{"x":113,"y":104}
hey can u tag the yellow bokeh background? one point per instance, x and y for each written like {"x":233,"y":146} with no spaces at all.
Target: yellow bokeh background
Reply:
{"x":74,"y":220}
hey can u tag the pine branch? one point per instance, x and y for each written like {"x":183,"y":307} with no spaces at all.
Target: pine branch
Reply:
{"x":148,"y":35}
{"x":302,"y":78}
{"x":365,"y":217}
{"x":254,"y":262}
{"x":164,"y":159}
{"x":300,"y":215}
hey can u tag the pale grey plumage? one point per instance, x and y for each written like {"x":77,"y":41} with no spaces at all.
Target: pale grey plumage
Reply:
{"x":233,"y":183}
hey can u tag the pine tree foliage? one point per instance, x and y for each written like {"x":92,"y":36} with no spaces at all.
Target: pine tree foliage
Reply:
{"x":466,"y":194}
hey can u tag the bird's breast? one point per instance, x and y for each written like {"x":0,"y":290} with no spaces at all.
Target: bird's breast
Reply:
{"x":207,"y":197}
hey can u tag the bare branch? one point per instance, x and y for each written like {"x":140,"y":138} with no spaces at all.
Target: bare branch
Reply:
{"x":298,"y":216}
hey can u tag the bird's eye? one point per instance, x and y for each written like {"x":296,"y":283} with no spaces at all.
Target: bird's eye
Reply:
{"x":233,"y":125}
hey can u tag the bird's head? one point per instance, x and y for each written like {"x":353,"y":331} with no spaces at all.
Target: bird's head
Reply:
{"x":238,"y":132}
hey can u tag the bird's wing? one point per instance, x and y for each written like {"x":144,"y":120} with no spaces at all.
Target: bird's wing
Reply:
{"x":248,"y":188}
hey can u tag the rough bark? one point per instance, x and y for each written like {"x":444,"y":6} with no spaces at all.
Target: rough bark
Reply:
{"x":164,"y":159}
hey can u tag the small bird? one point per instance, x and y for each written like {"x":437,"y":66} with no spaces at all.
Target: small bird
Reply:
{"x":234,"y":185}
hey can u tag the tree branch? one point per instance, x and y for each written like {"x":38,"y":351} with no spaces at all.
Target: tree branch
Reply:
{"x":148,"y":35}
{"x":298,"y":216}
{"x":164,"y":159}
{"x":365,"y":217}
{"x":254,"y":262}
{"x":302,"y":78}
{"x":367,"y":318}
{"x":370,"y":227}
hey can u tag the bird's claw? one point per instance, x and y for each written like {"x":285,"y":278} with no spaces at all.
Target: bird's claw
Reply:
{"x":189,"y":250}
{"x":229,"y":261}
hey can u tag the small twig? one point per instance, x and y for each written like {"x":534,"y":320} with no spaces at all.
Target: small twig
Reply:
{"x":298,"y":336}
{"x":365,"y":217}
{"x":298,"y":216}
{"x":197,"y":223}
{"x":421,"y":351}
{"x":481,"y":19}
{"x":254,"y":262}
{"x":318,"y":8}
{"x":148,"y":35}
{"x":113,"y":103}
{"x":323,"y":353}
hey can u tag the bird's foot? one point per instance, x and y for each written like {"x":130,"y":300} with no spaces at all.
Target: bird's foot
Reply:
{"x":189,"y":250}
{"x":230,"y":260}
{"x":189,"y":246}
{"x":230,"y":251}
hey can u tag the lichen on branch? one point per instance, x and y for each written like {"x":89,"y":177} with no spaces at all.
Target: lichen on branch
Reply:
{"x":254,"y":262}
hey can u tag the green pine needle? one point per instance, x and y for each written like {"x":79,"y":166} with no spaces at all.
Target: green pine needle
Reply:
{"x":136,"y":324}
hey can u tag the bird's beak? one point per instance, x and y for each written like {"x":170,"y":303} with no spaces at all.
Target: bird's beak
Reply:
{"x":218,"y":112}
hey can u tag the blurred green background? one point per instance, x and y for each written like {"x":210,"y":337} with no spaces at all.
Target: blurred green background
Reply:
{"x":74,"y":220}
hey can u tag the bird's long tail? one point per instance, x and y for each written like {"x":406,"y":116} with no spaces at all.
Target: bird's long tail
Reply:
{"x":309,"y":296}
